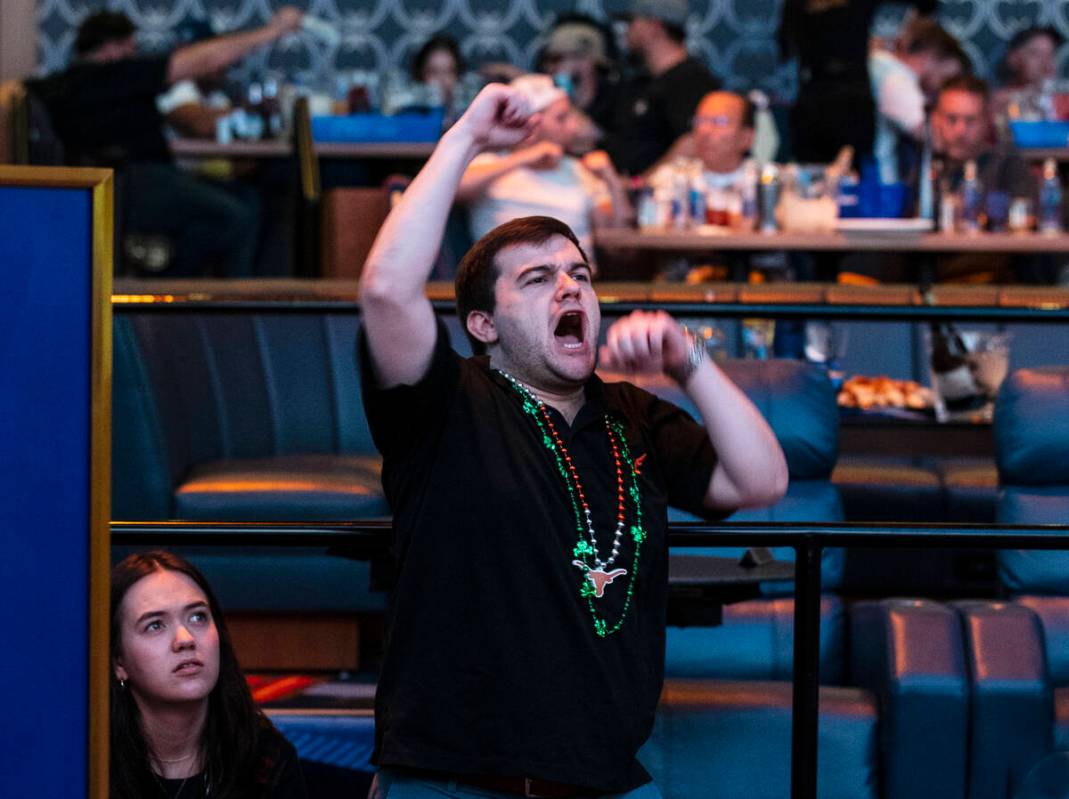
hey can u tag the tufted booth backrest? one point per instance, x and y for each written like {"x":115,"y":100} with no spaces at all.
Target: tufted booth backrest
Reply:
{"x":1032,"y":427}
{"x":1031,"y":442}
{"x":199,"y":387}
{"x":797,"y":400}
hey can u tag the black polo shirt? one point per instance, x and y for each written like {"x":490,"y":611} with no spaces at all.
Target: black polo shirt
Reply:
{"x":652,"y":112}
{"x":105,"y":113}
{"x":492,"y":663}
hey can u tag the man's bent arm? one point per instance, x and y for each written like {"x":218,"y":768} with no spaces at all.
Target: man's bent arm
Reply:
{"x":751,"y":469}
{"x":211,"y":55}
{"x":398,"y":318}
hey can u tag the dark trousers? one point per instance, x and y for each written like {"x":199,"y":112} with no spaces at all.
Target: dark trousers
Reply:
{"x":214,"y":229}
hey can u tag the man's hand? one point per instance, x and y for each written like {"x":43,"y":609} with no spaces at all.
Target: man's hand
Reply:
{"x":286,"y":20}
{"x":543,"y":155}
{"x":498,"y":118}
{"x":649,"y":342}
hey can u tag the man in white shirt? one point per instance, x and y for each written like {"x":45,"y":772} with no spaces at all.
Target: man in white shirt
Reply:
{"x":902,"y":83}
{"x":539,"y":178}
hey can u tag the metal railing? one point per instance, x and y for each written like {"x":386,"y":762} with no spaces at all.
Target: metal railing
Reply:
{"x":370,"y":539}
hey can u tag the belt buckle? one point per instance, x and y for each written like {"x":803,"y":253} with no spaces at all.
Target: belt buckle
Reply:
{"x":527,"y":789}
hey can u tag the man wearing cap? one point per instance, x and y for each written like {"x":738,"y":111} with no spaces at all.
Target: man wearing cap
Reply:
{"x":656,"y":108}
{"x":103,"y":108}
{"x":580,"y":56}
{"x":540,"y":178}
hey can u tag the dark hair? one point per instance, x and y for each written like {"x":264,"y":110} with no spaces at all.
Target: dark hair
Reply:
{"x":1023,"y":37}
{"x":1004,"y":72}
{"x":965,"y":83}
{"x":440,"y":41}
{"x":928,"y":36}
{"x":100,"y":29}
{"x":235,"y":728}
{"x":477,"y":272}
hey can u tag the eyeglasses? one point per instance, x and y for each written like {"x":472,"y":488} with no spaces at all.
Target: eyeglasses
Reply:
{"x":713,"y":120}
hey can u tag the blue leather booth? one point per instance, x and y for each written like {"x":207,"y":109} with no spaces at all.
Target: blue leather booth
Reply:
{"x":1032,"y":449}
{"x":247,"y":417}
{"x":1018,"y":650}
{"x":898,"y":733}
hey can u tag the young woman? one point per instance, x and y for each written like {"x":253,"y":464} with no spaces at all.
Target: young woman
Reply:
{"x":183,"y":723}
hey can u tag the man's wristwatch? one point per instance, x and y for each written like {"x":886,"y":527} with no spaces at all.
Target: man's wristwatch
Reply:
{"x":696,"y":353}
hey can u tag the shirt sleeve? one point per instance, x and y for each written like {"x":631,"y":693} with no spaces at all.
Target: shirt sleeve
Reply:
{"x":402,"y":418}
{"x":902,"y":103}
{"x":686,"y":458}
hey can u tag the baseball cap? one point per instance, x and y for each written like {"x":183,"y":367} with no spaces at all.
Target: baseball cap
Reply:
{"x":577,"y":39}
{"x":670,"y":12}
{"x":539,"y":91}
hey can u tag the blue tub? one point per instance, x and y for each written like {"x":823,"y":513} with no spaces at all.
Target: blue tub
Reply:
{"x":1040,"y":133}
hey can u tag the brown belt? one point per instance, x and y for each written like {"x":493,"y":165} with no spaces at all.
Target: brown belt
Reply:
{"x":520,"y":786}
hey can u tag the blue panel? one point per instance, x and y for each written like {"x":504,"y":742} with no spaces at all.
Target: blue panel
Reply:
{"x":45,"y":344}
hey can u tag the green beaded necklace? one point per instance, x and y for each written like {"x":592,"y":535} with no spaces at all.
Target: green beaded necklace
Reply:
{"x":595,"y":569}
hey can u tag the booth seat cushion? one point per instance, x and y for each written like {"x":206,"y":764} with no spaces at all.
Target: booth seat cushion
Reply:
{"x":1036,"y":571}
{"x":733,"y":740}
{"x":284,"y":488}
{"x":970,"y":487}
{"x":1031,"y":427}
{"x":1011,"y":699}
{"x":889,"y":488}
{"x":909,"y":653}
{"x":755,"y":641}
{"x":1061,"y":718}
{"x":1053,"y":613}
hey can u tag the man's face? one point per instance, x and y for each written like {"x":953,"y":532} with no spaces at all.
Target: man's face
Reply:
{"x":441,"y":70}
{"x":546,"y":317}
{"x":959,"y":124}
{"x":558,"y":123}
{"x":1034,"y":61}
{"x":720,"y":138}
{"x":638,"y":33}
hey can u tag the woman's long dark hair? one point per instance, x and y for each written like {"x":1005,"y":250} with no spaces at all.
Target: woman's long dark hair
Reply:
{"x":233,"y":761}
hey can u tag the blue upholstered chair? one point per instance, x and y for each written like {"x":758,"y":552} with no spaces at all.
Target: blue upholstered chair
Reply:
{"x":898,"y":731}
{"x":250,"y":417}
{"x":1019,"y":649}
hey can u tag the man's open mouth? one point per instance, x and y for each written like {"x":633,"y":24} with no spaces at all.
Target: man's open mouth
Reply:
{"x":570,"y":330}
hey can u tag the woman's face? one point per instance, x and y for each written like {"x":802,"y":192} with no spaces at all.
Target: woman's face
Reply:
{"x":1034,"y":61}
{"x":169,"y":644}
{"x":440,"y":70}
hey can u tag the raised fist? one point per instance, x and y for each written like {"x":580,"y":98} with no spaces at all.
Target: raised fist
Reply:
{"x":498,"y":118}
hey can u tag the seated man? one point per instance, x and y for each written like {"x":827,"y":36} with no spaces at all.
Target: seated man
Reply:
{"x":539,"y":178}
{"x":722,"y":135}
{"x":902,"y":82}
{"x":525,"y":654}
{"x":103,"y":108}
{"x":961,"y":132}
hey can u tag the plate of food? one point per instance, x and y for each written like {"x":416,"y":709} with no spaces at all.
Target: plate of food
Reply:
{"x":882,"y":394}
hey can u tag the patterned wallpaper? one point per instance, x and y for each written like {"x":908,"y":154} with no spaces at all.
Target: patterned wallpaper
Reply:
{"x":735,"y":37}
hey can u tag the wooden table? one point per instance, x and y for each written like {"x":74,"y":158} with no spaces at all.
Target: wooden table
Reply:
{"x":1043,"y":153}
{"x":278,"y":148}
{"x":689,"y":241}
